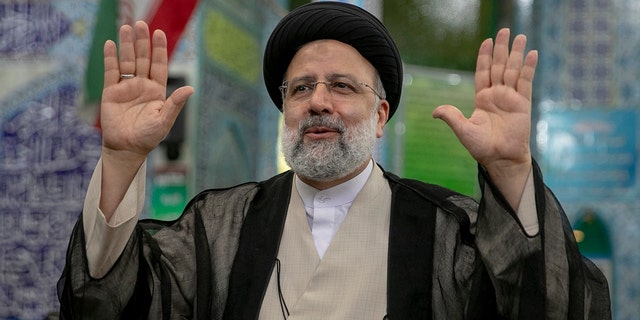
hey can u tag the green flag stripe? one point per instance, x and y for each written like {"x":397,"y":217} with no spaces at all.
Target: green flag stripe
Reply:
{"x":105,"y":28}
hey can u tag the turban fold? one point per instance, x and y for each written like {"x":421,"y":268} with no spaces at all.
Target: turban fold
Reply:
{"x":344,"y":22}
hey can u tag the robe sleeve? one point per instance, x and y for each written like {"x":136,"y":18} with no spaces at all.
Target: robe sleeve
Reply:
{"x":105,"y":240}
{"x":124,"y":292}
{"x":542,"y":276}
{"x":165,"y":270}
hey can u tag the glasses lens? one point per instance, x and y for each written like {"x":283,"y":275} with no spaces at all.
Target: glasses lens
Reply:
{"x":341,"y":89}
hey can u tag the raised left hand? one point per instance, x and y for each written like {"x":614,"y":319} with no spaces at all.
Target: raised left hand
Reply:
{"x":498,"y":132}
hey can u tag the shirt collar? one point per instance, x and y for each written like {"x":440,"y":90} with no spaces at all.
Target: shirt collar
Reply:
{"x":341,"y":194}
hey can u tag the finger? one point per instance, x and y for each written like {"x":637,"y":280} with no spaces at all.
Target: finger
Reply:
{"x":142,"y":49}
{"x":127,"y":54}
{"x":483,"y":65}
{"x":514,"y":65}
{"x":525,"y":82}
{"x":159,"y":61}
{"x":111,"y":69}
{"x":500,"y":56}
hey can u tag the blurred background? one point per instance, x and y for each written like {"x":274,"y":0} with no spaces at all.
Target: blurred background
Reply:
{"x":586,"y":105}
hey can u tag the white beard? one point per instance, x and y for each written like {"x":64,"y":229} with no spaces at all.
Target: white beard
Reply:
{"x":326,"y":160}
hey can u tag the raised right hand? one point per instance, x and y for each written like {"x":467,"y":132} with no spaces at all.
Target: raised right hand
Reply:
{"x":134,"y":114}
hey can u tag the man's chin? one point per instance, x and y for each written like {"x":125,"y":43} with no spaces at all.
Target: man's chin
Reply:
{"x":322,"y":177}
{"x":320,"y":141}
{"x":329,"y":169}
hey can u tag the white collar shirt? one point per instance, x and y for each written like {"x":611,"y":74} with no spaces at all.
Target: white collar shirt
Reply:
{"x":327,"y":209}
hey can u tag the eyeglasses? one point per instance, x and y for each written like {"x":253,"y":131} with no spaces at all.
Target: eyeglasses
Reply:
{"x":343,"y":89}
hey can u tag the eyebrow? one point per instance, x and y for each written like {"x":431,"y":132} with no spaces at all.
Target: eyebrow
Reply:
{"x":330,"y":77}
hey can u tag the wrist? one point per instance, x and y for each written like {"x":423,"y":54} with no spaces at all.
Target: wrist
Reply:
{"x":122,"y":159}
{"x":508,"y":169}
{"x":510,"y":178}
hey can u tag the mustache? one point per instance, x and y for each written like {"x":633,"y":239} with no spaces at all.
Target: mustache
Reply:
{"x":322,"y":121}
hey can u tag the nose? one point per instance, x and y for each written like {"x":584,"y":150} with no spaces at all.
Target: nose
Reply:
{"x":320,"y":101}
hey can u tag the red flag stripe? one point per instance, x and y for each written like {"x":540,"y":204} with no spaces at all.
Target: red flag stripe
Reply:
{"x":171,"y":16}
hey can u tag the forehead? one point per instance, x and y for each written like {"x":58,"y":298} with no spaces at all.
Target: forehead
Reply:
{"x":327,"y":56}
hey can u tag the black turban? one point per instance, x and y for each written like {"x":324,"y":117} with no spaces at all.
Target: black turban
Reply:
{"x":344,"y":22}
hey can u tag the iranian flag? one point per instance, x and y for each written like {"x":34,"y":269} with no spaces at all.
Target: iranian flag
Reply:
{"x":171,"y":16}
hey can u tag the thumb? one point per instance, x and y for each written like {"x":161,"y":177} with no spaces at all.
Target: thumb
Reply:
{"x":451,"y":115}
{"x":175,"y":102}
{"x":178,"y":98}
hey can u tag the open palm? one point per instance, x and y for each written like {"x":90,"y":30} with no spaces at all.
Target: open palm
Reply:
{"x":497,"y":133}
{"x":135,"y":116}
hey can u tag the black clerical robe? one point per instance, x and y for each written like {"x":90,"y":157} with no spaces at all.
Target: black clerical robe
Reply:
{"x":449,"y":258}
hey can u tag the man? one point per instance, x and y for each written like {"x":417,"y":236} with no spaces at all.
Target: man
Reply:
{"x":337,"y":237}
